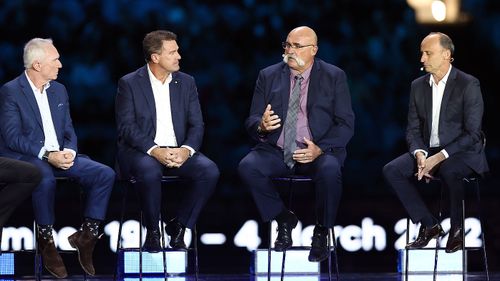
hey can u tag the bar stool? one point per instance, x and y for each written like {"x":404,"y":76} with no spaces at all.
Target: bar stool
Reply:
{"x":470,"y":181}
{"x":331,"y":231}
{"x":165,"y":180}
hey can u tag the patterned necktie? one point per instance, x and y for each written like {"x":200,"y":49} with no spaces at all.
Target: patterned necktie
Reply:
{"x":290,"y":133}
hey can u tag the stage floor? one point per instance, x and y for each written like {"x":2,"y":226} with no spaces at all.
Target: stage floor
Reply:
{"x":323,"y":277}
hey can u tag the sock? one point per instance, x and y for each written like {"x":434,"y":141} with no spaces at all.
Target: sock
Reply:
{"x":92,"y":225}
{"x":283,"y":216}
{"x":45,"y":231}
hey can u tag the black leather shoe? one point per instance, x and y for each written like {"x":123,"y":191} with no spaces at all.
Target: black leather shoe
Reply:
{"x":454,"y":240}
{"x":285,"y":227}
{"x":152,"y":243}
{"x":425,"y":235}
{"x":176,"y":230}
{"x":319,"y":246}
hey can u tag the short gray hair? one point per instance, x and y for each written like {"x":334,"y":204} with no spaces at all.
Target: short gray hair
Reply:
{"x":35,"y":50}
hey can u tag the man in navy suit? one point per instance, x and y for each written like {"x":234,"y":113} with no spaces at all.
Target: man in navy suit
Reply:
{"x":160,"y":131}
{"x":321,"y":129}
{"x":444,"y":138}
{"x":36,"y":127}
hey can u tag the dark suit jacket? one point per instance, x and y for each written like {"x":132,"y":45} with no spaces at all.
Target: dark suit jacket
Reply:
{"x":136,"y":113}
{"x":21,"y":122}
{"x":459,"y":120}
{"x":329,"y":111}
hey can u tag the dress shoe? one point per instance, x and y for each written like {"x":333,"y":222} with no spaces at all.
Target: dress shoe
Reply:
{"x":152,"y":243}
{"x":84,"y":242}
{"x":425,"y":234}
{"x":455,"y":240}
{"x":51,"y":258}
{"x":285,"y":227}
{"x":176,"y":230}
{"x":319,"y":246}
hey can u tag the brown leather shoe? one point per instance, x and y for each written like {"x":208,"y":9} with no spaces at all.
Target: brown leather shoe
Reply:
{"x":84,"y":242}
{"x":425,"y":235}
{"x":454,"y":240}
{"x":51,"y":259}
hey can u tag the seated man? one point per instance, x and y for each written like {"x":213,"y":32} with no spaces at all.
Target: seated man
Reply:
{"x":160,"y":129}
{"x":444,"y":138}
{"x":311,"y":98}
{"x":36,"y":127}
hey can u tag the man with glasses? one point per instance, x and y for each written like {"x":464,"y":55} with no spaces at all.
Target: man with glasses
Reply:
{"x":302,"y":120}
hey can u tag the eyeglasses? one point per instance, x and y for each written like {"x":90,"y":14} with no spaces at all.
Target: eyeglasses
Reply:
{"x":287,"y":45}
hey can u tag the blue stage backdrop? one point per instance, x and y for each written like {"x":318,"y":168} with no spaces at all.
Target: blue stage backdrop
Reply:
{"x":224,"y":44}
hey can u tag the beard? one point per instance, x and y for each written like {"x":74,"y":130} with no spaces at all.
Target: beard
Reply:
{"x":298,"y":60}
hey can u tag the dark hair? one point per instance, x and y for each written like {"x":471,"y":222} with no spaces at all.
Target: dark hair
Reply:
{"x":445,"y":42}
{"x":153,"y":42}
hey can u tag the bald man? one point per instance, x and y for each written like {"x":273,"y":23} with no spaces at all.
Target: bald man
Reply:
{"x":444,"y":138}
{"x":301,"y":118}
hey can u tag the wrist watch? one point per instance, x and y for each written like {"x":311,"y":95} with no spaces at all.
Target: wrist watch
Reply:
{"x":45,"y":156}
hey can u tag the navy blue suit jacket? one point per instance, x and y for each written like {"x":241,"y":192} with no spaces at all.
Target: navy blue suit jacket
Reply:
{"x":21,"y":123}
{"x":329,"y":111}
{"x":459,"y":120}
{"x":136,"y":113}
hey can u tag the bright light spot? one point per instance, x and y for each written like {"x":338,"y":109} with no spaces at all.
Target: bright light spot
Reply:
{"x":438,"y":9}
{"x":213,"y":238}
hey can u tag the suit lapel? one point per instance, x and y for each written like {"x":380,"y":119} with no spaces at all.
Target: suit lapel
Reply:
{"x":448,"y":90}
{"x":147,"y":92}
{"x":285,"y":90}
{"x":176,"y":103}
{"x":30,"y":97}
{"x":427,"y":90}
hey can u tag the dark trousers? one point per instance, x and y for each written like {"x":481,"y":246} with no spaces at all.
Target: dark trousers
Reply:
{"x":17,"y":181}
{"x":260,"y":166}
{"x":400,"y":174}
{"x":200,"y":172}
{"x":96,"y":179}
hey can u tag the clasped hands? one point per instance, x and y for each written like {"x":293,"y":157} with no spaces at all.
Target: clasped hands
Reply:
{"x":171,"y":157}
{"x":61,"y":159}
{"x":271,"y":121}
{"x":427,"y":166}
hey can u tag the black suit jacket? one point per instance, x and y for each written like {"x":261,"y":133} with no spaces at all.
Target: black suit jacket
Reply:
{"x":459,"y":120}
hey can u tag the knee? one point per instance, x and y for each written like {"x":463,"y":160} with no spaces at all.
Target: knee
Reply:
{"x":210,"y":170}
{"x":246,"y":168}
{"x":329,"y":167}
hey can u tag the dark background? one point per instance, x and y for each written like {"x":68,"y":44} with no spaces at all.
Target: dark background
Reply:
{"x":224,"y":44}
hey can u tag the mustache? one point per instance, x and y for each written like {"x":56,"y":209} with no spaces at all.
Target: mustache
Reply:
{"x":287,"y":57}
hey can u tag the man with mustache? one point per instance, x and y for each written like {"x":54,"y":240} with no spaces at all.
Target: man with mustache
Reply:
{"x":302,"y":120}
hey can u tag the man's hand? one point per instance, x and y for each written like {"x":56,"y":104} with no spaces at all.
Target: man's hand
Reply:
{"x":430,"y":166}
{"x":171,"y":157}
{"x":308,"y":154}
{"x":269,"y":121}
{"x":61,"y":159}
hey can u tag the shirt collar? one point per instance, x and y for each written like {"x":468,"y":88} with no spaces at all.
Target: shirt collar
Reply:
{"x":444,"y":80}
{"x":154,"y":80}
{"x":304,"y":74}
{"x":33,"y":87}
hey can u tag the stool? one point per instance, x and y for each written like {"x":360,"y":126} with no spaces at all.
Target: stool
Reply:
{"x":331,"y":232}
{"x":469,"y":180}
{"x":164,"y":180}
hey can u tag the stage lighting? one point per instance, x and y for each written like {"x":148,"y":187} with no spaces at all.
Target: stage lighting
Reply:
{"x":438,"y":11}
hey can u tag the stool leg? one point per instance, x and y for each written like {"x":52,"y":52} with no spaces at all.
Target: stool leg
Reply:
{"x":195,"y":242}
{"x":140,"y":247}
{"x":334,"y":239}
{"x":406,"y":248}
{"x":269,"y":252}
{"x":38,"y":258}
{"x":440,"y":218}
{"x":463,"y":240}
{"x":485,"y":258}
{"x":118,"y":241}
{"x":283,"y":265}
{"x":164,"y":255}
{"x":329,"y":257}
